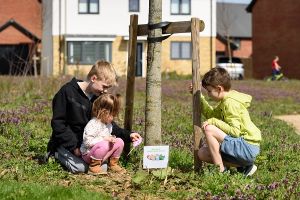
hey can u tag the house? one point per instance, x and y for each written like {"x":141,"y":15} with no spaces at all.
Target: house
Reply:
{"x":234,"y":28}
{"x":276,"y":29}
{"x":76,"y":33}
{"x":20,"y":36}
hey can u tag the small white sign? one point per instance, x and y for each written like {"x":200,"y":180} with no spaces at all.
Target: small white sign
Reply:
{"x":155,"y":157}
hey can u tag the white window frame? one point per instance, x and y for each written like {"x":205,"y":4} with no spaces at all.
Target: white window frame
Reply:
{"x":130,"y":8}
{"x":177,"y":7}
{"x":88,"y":4}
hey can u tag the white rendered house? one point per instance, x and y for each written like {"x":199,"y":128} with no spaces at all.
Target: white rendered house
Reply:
{"x":76,"y":33}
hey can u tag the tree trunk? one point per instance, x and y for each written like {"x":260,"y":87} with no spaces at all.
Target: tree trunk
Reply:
{"x":153,"y":79}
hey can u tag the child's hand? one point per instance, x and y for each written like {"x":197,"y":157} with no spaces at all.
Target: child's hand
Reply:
{"x":111,"y":139}
{"x":135,"y":136}
{"x":204,"y":124}
{"x":77,"y":152}
{"x":191,"y":88}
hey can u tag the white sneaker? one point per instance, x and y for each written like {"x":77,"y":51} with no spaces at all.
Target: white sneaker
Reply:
{"x":250,"y":170}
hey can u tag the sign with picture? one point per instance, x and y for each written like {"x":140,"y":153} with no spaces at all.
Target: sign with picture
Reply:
{"x":155,"y":157}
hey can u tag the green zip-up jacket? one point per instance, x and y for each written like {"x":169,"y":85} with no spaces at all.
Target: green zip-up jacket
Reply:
{"x":232,"y":117}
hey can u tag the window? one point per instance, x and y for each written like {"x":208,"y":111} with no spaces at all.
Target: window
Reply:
{"x":181,"y":50}
{"x":134,"y":5}
{"x":180,"y":7}
{"x":88,"y":7}
{"x":88,"y":52}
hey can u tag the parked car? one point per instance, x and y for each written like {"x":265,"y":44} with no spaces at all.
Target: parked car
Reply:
{"x":234,"y":67}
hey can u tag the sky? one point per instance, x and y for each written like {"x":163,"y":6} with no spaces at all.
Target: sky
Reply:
{"x":235,"y":1}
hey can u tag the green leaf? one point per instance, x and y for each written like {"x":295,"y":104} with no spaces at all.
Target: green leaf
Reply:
{"x":139,"y":177}
{"x":162,"y":173}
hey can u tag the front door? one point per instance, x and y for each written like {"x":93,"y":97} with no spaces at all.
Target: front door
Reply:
{"x":139,"y":60}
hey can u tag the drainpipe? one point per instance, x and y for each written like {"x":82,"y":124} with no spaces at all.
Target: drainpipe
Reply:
{"x":59,"y":39}
{"x":211,"y":33}
{"x":65,"y":42}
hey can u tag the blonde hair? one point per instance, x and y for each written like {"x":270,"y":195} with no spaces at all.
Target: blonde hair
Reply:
{"x":106,"y":104}
{"x":104,"y":71}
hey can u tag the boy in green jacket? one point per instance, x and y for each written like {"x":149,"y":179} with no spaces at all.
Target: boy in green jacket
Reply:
{"x":232,"y":138}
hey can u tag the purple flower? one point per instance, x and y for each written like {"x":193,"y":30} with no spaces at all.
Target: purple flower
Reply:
{"x":15,"y":120}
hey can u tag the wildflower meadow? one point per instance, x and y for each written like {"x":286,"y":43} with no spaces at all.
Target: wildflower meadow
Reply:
{"x":25,"y":115}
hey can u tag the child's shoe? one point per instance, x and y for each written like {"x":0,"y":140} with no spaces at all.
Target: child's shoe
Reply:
{"x":249,"y":170}
{"x":95,"y":167}
{"x":114,"y":166}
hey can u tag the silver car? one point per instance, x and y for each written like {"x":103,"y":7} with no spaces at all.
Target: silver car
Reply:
{"x":234,"y":67}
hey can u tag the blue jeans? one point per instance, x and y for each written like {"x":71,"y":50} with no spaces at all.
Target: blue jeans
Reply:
{"x":73,"y":163}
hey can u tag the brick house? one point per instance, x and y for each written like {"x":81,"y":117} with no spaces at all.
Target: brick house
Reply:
{"x":20,"y":36}
{"x":77,"y":33}
{"x":275,"y":25}
{"x":234,"y":21}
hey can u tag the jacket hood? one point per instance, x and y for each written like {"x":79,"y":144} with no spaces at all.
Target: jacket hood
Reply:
{"x":244,"y":99}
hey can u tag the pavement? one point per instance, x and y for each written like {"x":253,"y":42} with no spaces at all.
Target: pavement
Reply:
{"x":294,"y":120}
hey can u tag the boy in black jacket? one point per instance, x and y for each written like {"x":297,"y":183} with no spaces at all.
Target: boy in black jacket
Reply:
{"x":72,"y":106}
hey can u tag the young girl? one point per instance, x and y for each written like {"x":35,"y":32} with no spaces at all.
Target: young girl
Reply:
{"x":98,"y":143}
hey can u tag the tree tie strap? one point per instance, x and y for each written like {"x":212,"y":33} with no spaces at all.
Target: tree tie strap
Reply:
{"x":161,"y":25}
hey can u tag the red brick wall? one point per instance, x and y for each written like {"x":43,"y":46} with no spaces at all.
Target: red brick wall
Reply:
{"x":276,"y":31}
{"x":10,"y":36}
{"x":245,"y":50}
{"x":28,"y":13}
{"x":220,"y":46}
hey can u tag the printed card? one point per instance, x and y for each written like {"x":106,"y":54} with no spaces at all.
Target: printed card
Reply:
{"x":155,"y":157}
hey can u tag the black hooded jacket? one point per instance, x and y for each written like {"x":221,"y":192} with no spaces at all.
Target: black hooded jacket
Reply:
{"x":71,"y":112}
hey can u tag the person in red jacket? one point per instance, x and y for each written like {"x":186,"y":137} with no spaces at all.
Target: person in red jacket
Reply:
{"x":275,"y":68}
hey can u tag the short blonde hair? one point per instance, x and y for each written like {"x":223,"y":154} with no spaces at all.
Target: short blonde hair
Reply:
{"x":106,"y":104}
{"x":104,"y":71}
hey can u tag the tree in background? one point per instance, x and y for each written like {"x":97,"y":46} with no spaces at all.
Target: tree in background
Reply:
{"x":227,"y":20}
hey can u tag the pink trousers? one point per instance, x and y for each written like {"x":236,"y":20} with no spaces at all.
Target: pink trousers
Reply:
{"x":104,"y":149}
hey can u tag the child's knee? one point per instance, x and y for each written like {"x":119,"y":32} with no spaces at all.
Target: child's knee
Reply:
{"x":104,"y":146}
{"x":119,"y":142}
{"x":209,"y":129}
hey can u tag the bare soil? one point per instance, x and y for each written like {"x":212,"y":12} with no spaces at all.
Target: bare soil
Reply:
{"x":294,"y":120}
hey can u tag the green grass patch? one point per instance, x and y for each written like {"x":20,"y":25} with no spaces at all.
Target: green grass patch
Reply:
{"x":25,"y":130}
{"x":31,"y":191}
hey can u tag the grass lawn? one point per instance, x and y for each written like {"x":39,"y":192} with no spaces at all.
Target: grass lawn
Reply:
{"x":25,"y":114}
